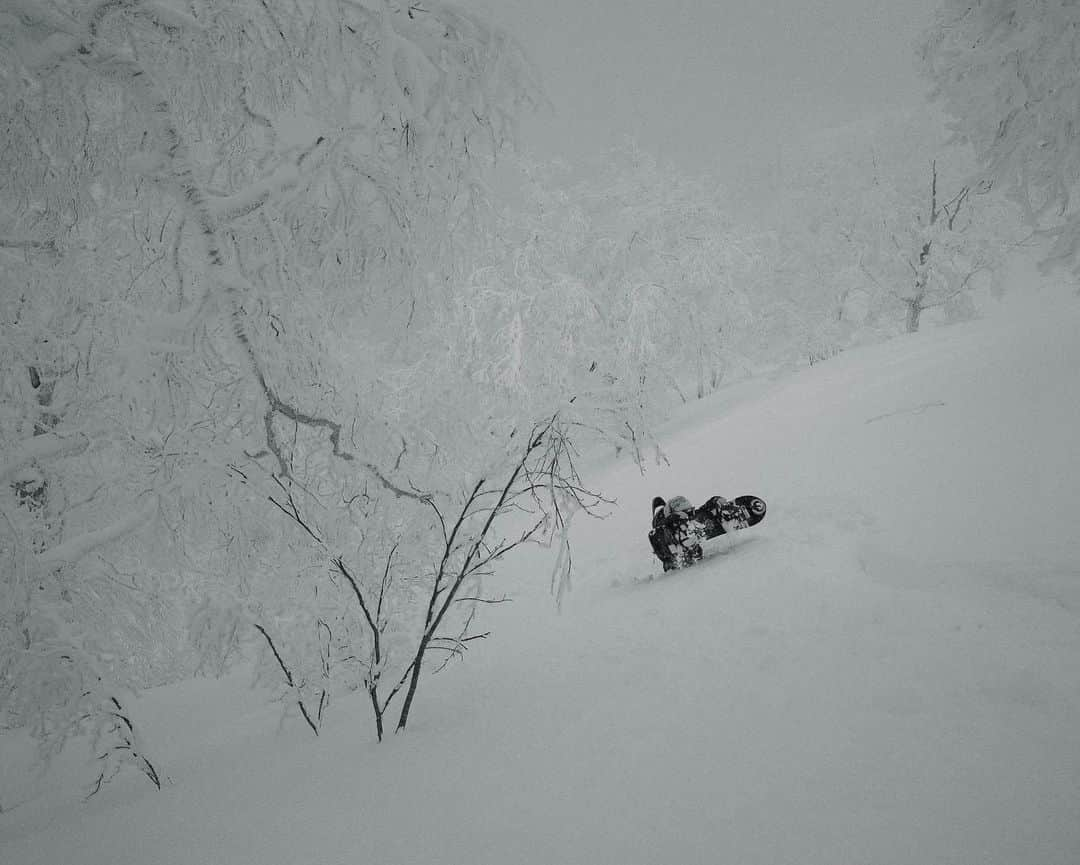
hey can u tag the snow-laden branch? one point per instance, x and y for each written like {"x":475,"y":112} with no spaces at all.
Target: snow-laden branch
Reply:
{"x":70,"y":551}
{"x":42,"y":447}
{"x":28,"y":244}
{"x":228,"y":208}
{"x":172,"y":20}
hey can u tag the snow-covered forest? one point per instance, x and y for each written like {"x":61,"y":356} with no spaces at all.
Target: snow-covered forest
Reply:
{"x":329,"y":413}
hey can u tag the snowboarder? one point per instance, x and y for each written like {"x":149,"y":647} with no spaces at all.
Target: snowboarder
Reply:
{"x":678,"y":528}
{"x":673,"y":537}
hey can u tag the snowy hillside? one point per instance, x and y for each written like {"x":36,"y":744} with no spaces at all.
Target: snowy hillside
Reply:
{"x":886,"y":672}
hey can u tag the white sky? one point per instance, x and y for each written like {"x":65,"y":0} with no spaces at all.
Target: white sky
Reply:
{"x":711,"y":84}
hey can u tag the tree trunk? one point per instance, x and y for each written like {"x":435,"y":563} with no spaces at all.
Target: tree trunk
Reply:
{"x":414,"y":680}
{"x":700,"y":372}
{"x":373,"y":693}
{"x":914,"y":312}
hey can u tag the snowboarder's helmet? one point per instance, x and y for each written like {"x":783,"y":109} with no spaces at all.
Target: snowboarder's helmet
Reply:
{"x":679,"y":503}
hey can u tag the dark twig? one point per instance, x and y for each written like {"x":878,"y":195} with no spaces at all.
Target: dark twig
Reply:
{"x":437,"y":608}
{"x":288,"y":678}
{"x":125,"y":732}
{"x":375,"y":626}
{"x":294,"y":514}
{"x":502,"y":600}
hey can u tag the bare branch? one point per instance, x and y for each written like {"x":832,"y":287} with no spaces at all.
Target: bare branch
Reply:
{"x":503,"y":600}
{"x":952,"y":209}
{"x":385,"y":583}
{"x":340,"y":565}
{"x":435,"y":617}
{"x":288,"y":678}
{"x":400,"y":492}
{"x":293,"y":513}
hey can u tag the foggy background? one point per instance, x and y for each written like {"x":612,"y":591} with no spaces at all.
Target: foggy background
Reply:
{"x":721,"y":87}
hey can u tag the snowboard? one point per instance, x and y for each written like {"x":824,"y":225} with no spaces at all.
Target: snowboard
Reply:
{"x":677,"y":540}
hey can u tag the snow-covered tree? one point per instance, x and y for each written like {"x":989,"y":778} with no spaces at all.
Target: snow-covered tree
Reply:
{"x":222,"y":225}
{"x":649,"y":266}
{"x":940,"y":262}
{"x":874,"y":228}
{"x":1006,"y":70}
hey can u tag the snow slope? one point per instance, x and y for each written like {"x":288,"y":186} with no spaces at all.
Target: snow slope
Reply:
{"x":886,"y":671}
